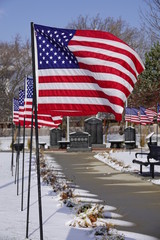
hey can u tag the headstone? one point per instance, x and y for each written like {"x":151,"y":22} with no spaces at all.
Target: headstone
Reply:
{"x":130,"y":137}
{"x":79,"y":141}
{"x":94,"y":127}
{"x":55,"y":136}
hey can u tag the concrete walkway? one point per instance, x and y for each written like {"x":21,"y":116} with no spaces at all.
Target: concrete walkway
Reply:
{"x":136,"y":199}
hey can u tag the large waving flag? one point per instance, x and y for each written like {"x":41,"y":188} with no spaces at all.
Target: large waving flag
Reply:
{"x":83,"y":71}
{"x":43,"y":120}
{"x":16,"y":111}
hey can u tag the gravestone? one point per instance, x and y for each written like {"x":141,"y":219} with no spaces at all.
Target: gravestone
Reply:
{"x":130,"y":137}
{"x":55,"y":136}
{"x":94,"y":127}
{"x":79,"y":141}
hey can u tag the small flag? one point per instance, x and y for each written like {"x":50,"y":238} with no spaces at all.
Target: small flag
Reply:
{"x":158,"y":112}
{"x":144,"y":119}
{"x":21,"y":106}
{"x":43,"y":120}
{"x":15,"y":111}
{"x":132,"y":115}
{"x":151,"y":114}
{"x":28,"y":101}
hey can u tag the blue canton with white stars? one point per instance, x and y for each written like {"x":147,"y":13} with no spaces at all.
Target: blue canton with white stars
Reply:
{"x":21,"y":97}
{"x":16,"y":104}
{"x":29,"y":88}
{"x":52,"y":46}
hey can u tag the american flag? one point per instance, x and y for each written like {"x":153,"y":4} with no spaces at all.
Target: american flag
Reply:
{"x":144,"y":119}
{"x":151,"y":114}
{"x":21,"y":106}
{"x":158,"y":112}
{"x":132,"y":115}
{"x":15,"y":111}
{"x":127,"y":114}
{"x":43,"y":120}
{"x":83,"y":71}
{"x":28,"y":101}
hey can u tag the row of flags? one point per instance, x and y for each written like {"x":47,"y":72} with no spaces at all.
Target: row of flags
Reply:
{"x":142,"y":115}
{"x":22,"y":109}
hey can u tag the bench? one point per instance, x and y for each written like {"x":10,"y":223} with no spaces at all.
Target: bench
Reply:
{"x":153,"y":158}
{"x":42,"y":145}
{"x":130,"y":144}
{"x":116,"y":143}
{"x":18,"y":146}
{"x":63,"y":144}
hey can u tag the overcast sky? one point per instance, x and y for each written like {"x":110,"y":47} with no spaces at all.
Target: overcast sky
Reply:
{"x":16,"y":15}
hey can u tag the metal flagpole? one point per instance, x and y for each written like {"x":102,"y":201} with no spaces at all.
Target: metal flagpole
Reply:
{"x":12,"y":159}
{"x":126,"y":107}
{"x":157,"y":122}
{"x":23,"y":164}
{"x":36,"y":131}
{"x":17,"y":160}
{"x":15,"y":166}
{"x":139,"y":114}
{"x":29,"y":177}
{"x":157,"y":132}
{"x":24,"y":121}
{"x":67,"y":129}
{"x":140,"y":137}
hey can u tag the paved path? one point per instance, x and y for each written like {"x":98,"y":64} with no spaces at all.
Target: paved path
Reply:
{"x":137,"y":200}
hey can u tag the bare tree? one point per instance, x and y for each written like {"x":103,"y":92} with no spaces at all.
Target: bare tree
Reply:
{"x":133,"y":36}
{"x":15,"y":64}
{"x":151,"y":19}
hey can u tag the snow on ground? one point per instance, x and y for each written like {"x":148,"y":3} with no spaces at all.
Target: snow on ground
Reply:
{"x":5,"y":142}
{"x":57,"y":218}
{"x":121,"y":160}
{"x":13,"y":220}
